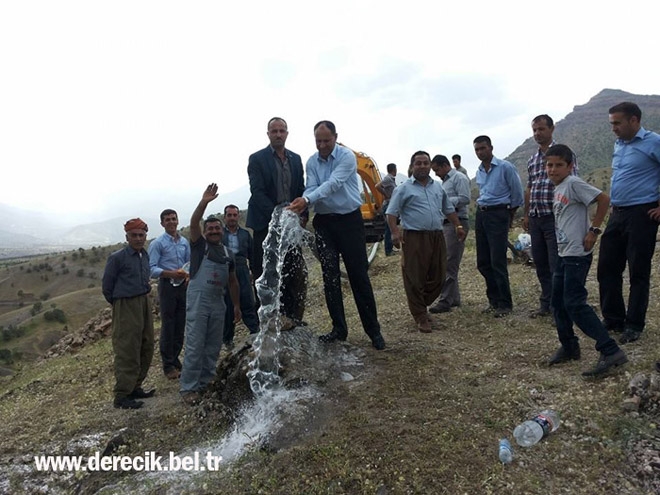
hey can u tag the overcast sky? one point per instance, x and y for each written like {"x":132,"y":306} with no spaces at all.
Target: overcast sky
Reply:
{"x":104,"y":104}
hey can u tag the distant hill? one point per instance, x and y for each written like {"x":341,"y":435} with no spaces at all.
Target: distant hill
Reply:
{"x":587,"y":131}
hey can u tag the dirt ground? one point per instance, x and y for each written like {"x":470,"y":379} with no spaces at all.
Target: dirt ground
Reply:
{"x":422,"y":417}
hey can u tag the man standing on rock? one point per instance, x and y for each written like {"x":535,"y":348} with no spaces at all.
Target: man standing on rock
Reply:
{"x":239,"y":241}
{"x":457,"y":188}
{"x":539,"y":220}
{"x":126,"y":286}
{"x":167,"y":255}
{"x":332,"y":189}
{"x":630,"y":235}
{"x":211,"y":274}
{"x":276,"y":177}
{"x":500,"y":195}
{"x":423,"y":205}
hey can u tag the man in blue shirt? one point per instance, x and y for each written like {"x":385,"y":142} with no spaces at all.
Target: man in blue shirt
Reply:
{"x":239,"y":241}
{"x":332,"y":188}
{"x":631,"y":231}
{"x":167,"y":255}
{"x":423,"y":206}
{"x":500,"y":195}
{"x":126,"y":286}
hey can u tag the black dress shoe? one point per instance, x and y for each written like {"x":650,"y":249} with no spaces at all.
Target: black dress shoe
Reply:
{"x":378,"y":343}
{"x":605,"y":363}
{"x":629,"y":335}
{"x":441,"y":307}
{"x":331,"y":337}
{"x":562,"y":356}
{"x":126,"y":403}
{"x":140,"y":393}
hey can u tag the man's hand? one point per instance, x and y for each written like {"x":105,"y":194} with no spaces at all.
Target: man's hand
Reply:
{"x":210,"y":193}
{"x":237,"y":314}
{"x":589,"y":241}
{"x":525,"y":223}
{"x":298,"y":205}
{"x":460,"y":233}
{"x":654,"y":213}
{"x":397,"y":242}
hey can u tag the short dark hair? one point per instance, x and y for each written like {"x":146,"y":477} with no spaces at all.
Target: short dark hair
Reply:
{"x":420,"y":152}
{"x":547,"y":118}
{"x":391,"y":167}
{"x":482,"y":139}
{"x":456,"y":157}
{"x":274,"y":119}
{"x":440,"y":160}
{"x":627,"y":108}
{"x":562,"y":151}
{"x":167,"y":211}
{"x":232,"y":206}
{"x":327,"y":124}
{"x":212,"y":219}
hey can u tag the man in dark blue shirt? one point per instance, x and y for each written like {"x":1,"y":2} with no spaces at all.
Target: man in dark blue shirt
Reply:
{"x":126,"y":286}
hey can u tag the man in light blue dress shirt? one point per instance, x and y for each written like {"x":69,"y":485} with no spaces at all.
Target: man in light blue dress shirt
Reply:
{"x":500,"y":195}
{"x":167,"y":255}
{"x":630,"y":235}
{"x":423,"y":206}
{"x":332,"y":190}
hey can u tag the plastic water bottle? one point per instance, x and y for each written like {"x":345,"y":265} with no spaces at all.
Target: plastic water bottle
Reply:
{"x":530,"y":432}
{"x":506,"y":452}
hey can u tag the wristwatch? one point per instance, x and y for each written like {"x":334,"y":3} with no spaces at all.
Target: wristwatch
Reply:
{"x":595,"y":230}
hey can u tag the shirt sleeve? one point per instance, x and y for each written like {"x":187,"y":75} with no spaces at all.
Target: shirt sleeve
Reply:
{"x":154,"y":259}
{"x":515,"y":185}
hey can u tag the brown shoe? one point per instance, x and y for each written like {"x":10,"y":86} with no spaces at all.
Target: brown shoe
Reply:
{"x":173,"y":374}
{"x":424,"y":326}
{"x":191,"y":398}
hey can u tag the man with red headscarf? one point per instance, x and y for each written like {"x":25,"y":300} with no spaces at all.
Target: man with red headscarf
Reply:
{"x":126,"y":286}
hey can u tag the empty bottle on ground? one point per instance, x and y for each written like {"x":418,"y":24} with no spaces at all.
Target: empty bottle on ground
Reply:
{"x":506,"y":452}
{"x":533,"y":430}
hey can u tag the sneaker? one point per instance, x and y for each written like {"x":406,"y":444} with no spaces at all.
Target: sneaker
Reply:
{"x":126,"y":403}
{"x":441,"y":307}
{"x":378,"y":343}
{"x":140,"y":393}
{"x":191,"y":398}
{"x":563,"y":356}
{"x":605,"y":363}
{"x":629,"y":335}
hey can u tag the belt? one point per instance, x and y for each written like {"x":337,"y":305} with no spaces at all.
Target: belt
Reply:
{"x":492,"y":207}
{"x":630,"y":207}
{"x":337,"y":215}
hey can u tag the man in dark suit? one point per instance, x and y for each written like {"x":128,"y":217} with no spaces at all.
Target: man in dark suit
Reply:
{"x":276,"y":177}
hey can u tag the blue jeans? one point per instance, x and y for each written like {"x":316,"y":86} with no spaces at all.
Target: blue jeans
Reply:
{"x":569,"y":305}
{"x":544,"y":253}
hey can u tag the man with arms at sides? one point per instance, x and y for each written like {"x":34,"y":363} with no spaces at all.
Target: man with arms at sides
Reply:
{"x":539,"y":220}
{"x":239,"y":242}
{"x":332,"y":189}
{"x":631,"y":231}
{"x":276,"y":177}
{"x":167,"y":255}
{"x":423,"y":206}
{"x":500,"y":195}
{"x":211,"y":274}
{"x":457,"y":164}
{"x":386,"y":187}
{"x":126,"y":286}
{"x":457,"y":188}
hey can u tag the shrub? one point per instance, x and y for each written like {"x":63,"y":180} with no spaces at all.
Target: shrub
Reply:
{"x":36,"y":308}
{"x":55,"y":315}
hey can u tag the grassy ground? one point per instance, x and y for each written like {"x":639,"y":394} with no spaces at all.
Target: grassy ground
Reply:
{"x":425,"y":418}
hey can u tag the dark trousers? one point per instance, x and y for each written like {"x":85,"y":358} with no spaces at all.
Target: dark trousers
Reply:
{"x":248,"y":311}
{"x":451,"y":294}
{"x":492,"y":236}
{"x":387,"y":239}
{"x":294,"y":278}
{"x":173,"y":323}
{"x":628,"y":238}
{"x":569,"y":305}
{"x":544,"y":253}
{"x":343,"y":235}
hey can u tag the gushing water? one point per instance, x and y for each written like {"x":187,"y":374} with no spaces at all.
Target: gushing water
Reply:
{"x":284,"y":234}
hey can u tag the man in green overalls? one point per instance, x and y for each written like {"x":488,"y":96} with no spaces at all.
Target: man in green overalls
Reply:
{"x":211,"y":272}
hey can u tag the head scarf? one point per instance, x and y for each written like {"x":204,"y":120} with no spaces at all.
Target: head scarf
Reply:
{"x":135,"y":224}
